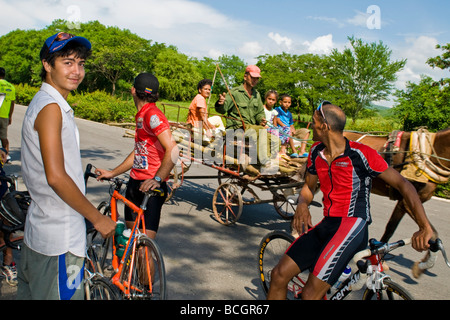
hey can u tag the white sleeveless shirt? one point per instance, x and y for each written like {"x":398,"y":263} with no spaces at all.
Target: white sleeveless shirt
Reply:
{"x":52,"y":227}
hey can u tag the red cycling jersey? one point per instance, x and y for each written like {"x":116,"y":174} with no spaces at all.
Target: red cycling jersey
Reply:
{"x":148,"y":151}
{"x":347,"y":182}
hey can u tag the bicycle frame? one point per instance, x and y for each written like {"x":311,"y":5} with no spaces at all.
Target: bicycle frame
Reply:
{"x":131,"y":244}
{"x":373,"y":268}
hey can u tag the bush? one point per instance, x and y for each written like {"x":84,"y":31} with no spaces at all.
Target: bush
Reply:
{"x":373,"y":124}
{"x":25,"y":93}
{"x":443,"y":190}
{"x":100,"y":106}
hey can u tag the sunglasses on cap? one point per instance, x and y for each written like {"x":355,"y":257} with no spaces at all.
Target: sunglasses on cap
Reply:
{"x":60,"y":37}
{"x":324,"y":103}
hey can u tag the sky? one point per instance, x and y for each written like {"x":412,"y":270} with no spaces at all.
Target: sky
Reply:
{"x":249,"y":28}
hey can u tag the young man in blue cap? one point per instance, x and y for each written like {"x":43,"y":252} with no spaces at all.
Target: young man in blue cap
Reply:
{"x":52,"y":258}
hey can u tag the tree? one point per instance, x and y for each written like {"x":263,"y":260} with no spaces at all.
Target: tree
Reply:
{"x":177,"y":75}
{"x":117,"y":54}
{"x":19,"y":55}
{"x":365,"y":72}
{"x":426,"y":104}
{"x":232,"y":68}
{"x":306,"y":78}
{"x":443,"y":61}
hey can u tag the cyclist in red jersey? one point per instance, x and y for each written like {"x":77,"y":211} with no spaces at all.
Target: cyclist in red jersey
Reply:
{"x":345,"y":170}
{"x":154,"y":155}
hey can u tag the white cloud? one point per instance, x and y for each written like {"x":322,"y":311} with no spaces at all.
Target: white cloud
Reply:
{"x":281,"y":41}
{"x":417,"y":51}
{"x":157,"y":14}
{"x":250,"y":50}
{"x":369,"y":19}
{"x":320,"y":45}
{"x":191,"y":26}
{"x":359,"y":20}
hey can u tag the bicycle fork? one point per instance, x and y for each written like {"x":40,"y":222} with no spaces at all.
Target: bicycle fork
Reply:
{"x":126,"y":286}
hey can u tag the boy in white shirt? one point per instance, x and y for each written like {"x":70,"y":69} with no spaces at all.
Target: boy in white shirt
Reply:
{"x":52,"y":258}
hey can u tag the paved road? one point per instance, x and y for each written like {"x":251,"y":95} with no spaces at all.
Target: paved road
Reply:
{"x":205,"y":260}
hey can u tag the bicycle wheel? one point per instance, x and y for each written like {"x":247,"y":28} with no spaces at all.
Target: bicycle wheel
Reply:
{"x":271,"y":249}
{"x":100,"y":288}
{"x":136,"y":269}
{"x":99,"y":245}
{"x":393,"y":291}
{"x":92,"y":263}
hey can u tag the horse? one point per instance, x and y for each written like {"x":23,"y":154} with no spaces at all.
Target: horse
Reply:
{"x":425,"y":190}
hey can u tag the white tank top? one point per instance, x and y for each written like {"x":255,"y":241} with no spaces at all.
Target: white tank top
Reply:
{"x":52,"y":227}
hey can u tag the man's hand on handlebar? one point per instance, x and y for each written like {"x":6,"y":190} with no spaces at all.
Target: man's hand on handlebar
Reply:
{"x":103,"y":174}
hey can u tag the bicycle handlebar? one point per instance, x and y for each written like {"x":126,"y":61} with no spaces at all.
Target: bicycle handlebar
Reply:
{"x":88,"y":173}
{"x":380,"y":247}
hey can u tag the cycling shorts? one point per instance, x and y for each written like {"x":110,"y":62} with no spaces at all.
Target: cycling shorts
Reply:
{"x":152,"y":214}
{"x":329,"y":246}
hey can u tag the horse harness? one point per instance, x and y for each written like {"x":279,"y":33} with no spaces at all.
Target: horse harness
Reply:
{"x":417,"y":166}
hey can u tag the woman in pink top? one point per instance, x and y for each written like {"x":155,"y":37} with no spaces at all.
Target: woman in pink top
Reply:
{"x":198,"y":110}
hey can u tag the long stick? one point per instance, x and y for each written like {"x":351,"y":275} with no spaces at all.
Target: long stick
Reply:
{"x":214,"y":79}
{"x":232,"y":98}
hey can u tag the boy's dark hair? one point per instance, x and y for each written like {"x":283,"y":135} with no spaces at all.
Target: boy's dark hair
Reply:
{"x":285,"y":95}
{"x":80,"y":52}
{"x":203,"y":83}
{"x":147,"y":97}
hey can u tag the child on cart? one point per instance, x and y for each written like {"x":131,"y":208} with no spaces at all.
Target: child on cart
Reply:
{"x":285,"y":123}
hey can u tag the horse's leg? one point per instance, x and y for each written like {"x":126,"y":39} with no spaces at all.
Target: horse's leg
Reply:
{"x":394,"y":220}
{"x":425,"y":193}
{"x":428,"y":261}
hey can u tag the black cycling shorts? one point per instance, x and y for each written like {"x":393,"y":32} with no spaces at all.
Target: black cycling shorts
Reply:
{"x":329,"y":246}
{"x":152,"y":214}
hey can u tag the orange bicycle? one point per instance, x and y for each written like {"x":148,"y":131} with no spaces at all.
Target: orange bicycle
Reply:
{"x":139,"y":271}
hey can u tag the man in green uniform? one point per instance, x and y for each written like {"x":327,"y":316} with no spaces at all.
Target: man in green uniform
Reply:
{"x":7,"y":99}
{"x":245,"y":110}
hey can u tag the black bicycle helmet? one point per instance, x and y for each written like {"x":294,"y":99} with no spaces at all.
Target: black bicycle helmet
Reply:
{"x":14,"y":206}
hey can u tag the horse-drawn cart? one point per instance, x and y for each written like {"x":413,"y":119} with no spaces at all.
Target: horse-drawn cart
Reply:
{"x":238,"y":173}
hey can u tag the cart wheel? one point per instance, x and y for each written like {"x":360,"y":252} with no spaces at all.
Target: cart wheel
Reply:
{"x":227,"y":203}
{"x":283,"y":207}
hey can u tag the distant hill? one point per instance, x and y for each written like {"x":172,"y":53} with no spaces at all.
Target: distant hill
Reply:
{"x":383,"y":111}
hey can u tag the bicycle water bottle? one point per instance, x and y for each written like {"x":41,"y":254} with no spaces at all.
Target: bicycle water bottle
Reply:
{"x":121,"y":239}
{"x":344,"y":276}
{"x":120,"y":226}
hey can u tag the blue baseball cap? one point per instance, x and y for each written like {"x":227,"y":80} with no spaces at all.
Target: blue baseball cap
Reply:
{"x":58,"y":41}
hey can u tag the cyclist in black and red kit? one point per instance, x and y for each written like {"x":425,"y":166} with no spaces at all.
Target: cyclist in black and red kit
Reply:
{"x":345,"y":170}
